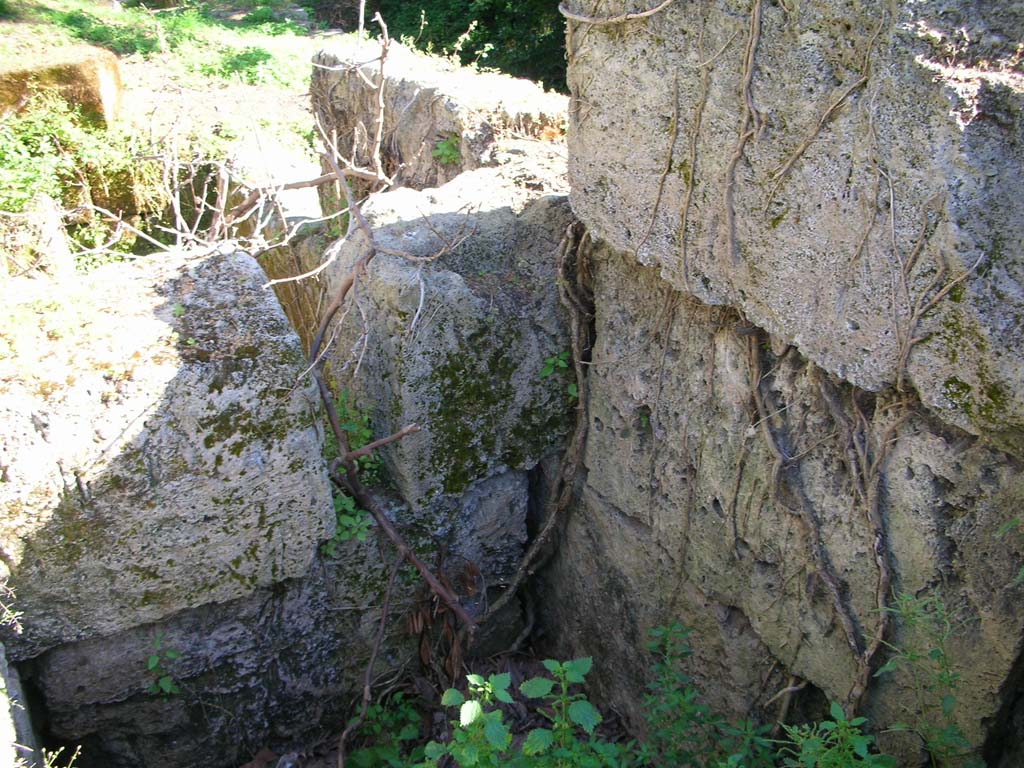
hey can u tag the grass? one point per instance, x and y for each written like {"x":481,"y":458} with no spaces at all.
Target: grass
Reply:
{"x":197,"y":83}
{"x":202,"y":41}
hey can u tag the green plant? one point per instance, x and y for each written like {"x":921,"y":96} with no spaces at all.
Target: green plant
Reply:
{"x":388,"y":735}
{"x":447,"y":150}
{"x":249,"y":64}
{"x":163,"y":683}
{"x":352,"y":523}
{"x":835,"y":743}
{"x":553,"y":363}
{"x":50,"y":148}
{"x":133,"y":31}
{"x":481,"y":738}
{"x":679,"y":726}
{"x":355,"y":423}
{"x":560,"y":745}
{"x":559,"y":362}
{"x":683,"y":731}
{"x":923,"y":657}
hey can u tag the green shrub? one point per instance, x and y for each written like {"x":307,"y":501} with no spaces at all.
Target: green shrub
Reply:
{"x":480,"y":737}
{"x":835,"y":743}
{"x":48,"y":147}
{"x":922,"y":657}
{"x":249,"y":64}
{"x":31,"y":156}
{"x":133,"y":32}
{"x":683,"y":731}
{"x":525,"y":38}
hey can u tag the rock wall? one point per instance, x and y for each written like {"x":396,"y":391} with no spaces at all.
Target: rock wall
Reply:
{"x":807,"y":367}
{"x":456,"y":345}
{"x":163,"y":478}
{"x":439,"y":119}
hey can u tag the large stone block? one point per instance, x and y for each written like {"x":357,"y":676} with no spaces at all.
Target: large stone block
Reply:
{"x":839,"y":172}
{"x":87,"y":77}
{"x":160,"y":450}
{"x":428,"y":102}
{"x":685,"y":516}
{"x":456,"y":345}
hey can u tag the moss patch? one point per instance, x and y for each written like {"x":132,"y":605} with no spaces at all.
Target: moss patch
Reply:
{"x":470,"y":389}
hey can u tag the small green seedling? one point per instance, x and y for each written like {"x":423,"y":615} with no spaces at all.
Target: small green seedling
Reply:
{"x":163,"y":683}
{"x":554,"y":363}
{"x":353,"y":523}
{"x":447,"y":151}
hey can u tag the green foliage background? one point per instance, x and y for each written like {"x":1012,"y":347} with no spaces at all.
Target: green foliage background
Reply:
{"x":526,"y":38}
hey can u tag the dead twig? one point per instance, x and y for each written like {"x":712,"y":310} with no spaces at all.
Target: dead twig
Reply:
{"x":750,"y":127}
{"x":369,"y":448}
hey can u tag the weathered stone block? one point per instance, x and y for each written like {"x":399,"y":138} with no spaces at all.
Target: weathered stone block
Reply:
{"x":457,"y":345}
{"x":87,"y":77}
{"x":427,"y":102}
{"x":159,"y":448}
{"x":836,"y":172}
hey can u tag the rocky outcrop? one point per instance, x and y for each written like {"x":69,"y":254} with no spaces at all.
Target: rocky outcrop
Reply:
{"x":456,"y":345}
{"x":161,"y":456}
{"x":85,"y":76}
{"x":806,"y":389}
{"x":837,"y":174}
{"x":439,"y":119}
{"x":155,"y":447}
{"x":177,"y":471}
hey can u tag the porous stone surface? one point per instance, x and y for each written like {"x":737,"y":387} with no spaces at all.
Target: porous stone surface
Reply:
{"x":838,"y":172}
{"x":679,"y":519}
{"x":85,"y":76}
{"x":427,"y":101}
{"x":276,"y":669}
{"x":159,"y":449}
{"x":808,"y":297}
{"x":456,"y":345}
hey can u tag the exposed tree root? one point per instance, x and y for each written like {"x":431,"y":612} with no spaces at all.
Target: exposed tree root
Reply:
{"x":607,"y":20}
{"x":573,"y":267}
{"x":785,"y":470}
{"x":779,"y":175}
{"x":750,"y":127}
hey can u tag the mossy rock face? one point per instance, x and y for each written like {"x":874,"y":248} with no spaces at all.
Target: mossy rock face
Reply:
{"x":157,"y":448}
{"x":464,"y":361}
